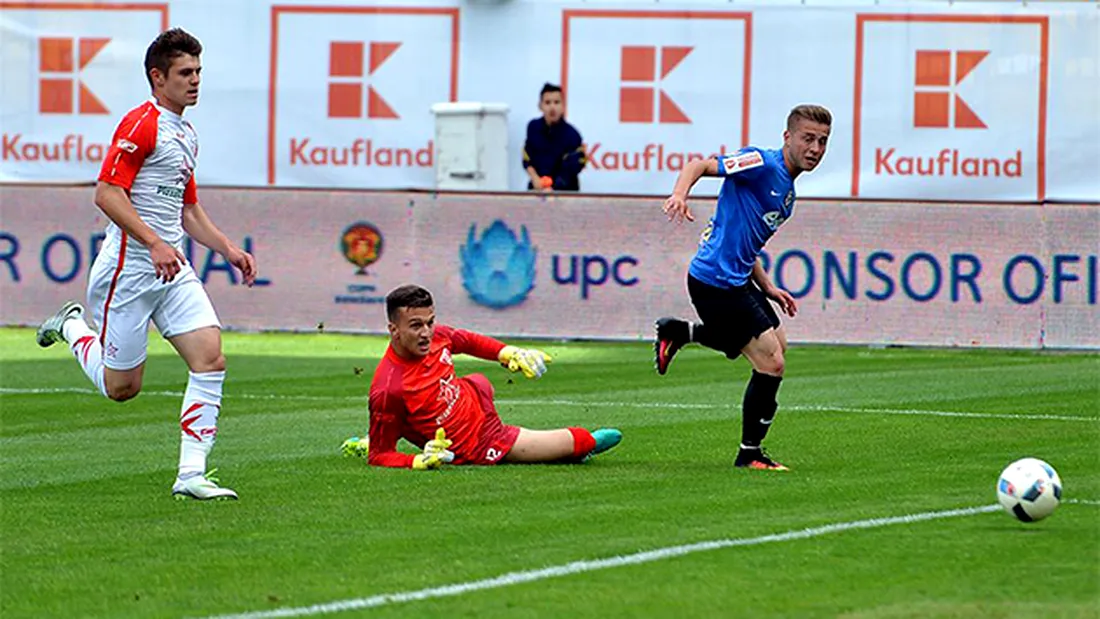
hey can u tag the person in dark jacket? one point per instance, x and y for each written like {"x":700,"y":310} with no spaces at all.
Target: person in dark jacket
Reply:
{"x":553,"y":153}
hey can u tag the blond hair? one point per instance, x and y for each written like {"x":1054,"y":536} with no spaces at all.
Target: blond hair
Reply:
{"x":810,"y":112}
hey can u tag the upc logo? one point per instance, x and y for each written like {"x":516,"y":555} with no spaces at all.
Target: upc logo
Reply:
{"x":498,"y":270}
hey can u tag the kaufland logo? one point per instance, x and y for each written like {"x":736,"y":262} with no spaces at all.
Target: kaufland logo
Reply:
{"x":60,"y":63}
{"x":640,"y":90}
{"x":352,"y":89}
{"x":640,"y":85}
{"x":938,"y":121}
{"x":61,"y":91}
{"x":348,"y":82}
{"x":351,"y":95}
{"x":937,"y":104}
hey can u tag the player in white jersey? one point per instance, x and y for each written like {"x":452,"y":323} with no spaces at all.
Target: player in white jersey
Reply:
{"x":147,"y":189}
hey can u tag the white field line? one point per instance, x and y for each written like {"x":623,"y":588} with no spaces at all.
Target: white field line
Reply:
{"x":579,"y":567}
{"x":818,"y":408}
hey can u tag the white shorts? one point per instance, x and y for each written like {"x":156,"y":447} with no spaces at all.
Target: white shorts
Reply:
{"x":122,"y":304}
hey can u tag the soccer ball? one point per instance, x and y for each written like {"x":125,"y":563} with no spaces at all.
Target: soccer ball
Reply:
{"x":1029,"y":489}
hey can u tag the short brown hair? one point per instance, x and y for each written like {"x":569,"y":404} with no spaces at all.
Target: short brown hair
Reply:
{"x":808,"y":111}
{"x":409,"y":295}
{"x":169,"y":45}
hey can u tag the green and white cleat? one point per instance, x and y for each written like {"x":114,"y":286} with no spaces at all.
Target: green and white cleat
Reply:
{"x":202,"y":488}
{"x":355,"y":447}
{"x":50,"y":332}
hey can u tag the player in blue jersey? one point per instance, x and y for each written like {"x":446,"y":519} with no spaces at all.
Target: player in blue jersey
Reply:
{"x":726,"y":281}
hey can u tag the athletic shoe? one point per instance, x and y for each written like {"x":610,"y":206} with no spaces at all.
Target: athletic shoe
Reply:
{"x":672,"y":335}
{"x":757,"y":459}
{"x":355,"y":447}
{"x":50,"y":331}
{"x":606,"y":438}
{"x":202,"y":488}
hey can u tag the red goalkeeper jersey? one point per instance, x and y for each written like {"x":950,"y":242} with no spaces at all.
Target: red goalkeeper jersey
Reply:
{"x":411,"y":398}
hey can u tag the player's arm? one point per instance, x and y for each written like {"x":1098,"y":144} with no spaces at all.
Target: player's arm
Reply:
{"x":573,"y":161}
{"x":133,"y":142}
{"x":527,"y":360}
{"x":386,"y":419}
{"x":385,"y":430}
{"x":782,"y":297}
{"x":676,"y":205}
{"x":529,"y":144}
{"x":198,"y":226}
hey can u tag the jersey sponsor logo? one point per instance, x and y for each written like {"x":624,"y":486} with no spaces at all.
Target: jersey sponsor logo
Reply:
{"x":448,"y":394}
{"x":707,"y":231}
{"x":170,"y":192}
{"x":773,"y":220}
{"x":127,"y":145}
{"x":742,"y":161}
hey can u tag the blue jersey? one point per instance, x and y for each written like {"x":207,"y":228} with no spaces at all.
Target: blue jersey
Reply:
{"x":757,"y":196}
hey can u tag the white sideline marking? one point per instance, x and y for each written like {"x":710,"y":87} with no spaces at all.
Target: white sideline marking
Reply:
{"x":819,"y":408}
{"x":578,"y":567}
{"x":1083,"y":502}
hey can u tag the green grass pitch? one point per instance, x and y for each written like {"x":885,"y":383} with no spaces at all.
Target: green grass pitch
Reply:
{"x":89,"y":528}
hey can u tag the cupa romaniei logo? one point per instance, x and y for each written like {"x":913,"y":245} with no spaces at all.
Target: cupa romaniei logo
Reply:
{"x":498,"y":270}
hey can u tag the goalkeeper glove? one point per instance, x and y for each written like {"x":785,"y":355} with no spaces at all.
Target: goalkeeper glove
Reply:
{"x":435,"y":453}
{"x":355,"y":447}
{"x":529,"y":361}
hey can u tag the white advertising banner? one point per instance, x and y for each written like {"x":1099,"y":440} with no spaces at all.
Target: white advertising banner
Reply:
{"x":974,"y":101}
{"x":1021,"y":276}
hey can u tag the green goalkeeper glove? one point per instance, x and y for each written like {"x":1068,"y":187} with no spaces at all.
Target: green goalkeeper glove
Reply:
{"x":529,"y":361}
{"x":436,"y":453}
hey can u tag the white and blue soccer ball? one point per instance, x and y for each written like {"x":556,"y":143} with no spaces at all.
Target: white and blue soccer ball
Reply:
{"x":1029,"y":489}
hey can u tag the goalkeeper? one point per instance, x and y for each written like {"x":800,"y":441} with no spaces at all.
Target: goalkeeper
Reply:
{"x":416,"y":395}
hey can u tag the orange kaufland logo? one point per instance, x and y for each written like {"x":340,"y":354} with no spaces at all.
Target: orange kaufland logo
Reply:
{"x":348,"y":81}
{"x":641,"y":99}
{"x":60,"y":62}
{"x":937,"y":105}
{"x":935,"y":100}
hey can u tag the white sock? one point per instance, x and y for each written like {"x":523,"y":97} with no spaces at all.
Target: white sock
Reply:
{"x":85,"y":346}
{"x":199,"y":421}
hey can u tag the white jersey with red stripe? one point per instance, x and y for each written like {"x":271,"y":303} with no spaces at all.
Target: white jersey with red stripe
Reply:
{"x":152,"y":156}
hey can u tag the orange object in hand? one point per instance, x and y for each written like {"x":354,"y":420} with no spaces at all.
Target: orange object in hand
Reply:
{"x":546,"y":182}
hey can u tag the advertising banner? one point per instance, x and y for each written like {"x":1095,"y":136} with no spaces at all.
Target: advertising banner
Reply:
{"x":987,"y":101}
{"x":590,"y":267}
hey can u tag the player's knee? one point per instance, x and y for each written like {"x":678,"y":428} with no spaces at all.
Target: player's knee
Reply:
{"x":214,"y":362}
{"x":773,"y":364}
{"x":122,"y":391}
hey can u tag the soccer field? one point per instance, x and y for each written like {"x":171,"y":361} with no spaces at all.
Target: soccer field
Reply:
{"x":888,"y":511}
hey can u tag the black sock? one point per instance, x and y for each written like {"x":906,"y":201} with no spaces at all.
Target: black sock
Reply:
{"x":758,"y":408}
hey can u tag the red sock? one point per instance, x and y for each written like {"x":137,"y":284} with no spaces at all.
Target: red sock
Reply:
{"x":583,"y":442}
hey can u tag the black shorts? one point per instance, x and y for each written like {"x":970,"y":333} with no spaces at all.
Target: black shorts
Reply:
{"x":732,"y":316}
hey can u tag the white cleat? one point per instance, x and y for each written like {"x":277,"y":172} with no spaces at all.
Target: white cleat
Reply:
{"x":202,"y":488}
{"x":50,"y":332}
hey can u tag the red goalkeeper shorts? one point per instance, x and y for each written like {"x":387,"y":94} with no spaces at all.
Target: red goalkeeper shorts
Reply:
{"x":496,"y":438}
